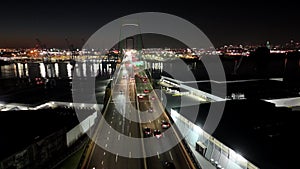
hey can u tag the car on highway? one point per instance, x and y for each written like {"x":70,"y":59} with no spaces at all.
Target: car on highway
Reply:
{"x":140,"y":96}
{"x":157,"y":133}
{"x":146,"y":90}
{"x":152,"y":98}
{"x":147,"y":132}
{"x":150,"y":109}
{"x":165,"y":124}
{"x":169,"y":165}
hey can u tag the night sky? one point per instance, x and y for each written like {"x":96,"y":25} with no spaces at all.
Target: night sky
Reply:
{"x":245,"y":22}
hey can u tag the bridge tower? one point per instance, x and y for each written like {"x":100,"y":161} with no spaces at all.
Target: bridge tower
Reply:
{"x":131,"y":42}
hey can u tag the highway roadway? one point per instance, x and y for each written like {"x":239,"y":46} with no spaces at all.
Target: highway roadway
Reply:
{"x":128,"y":114}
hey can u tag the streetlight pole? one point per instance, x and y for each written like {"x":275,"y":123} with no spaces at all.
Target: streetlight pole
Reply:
{"x":90,"y":127}
{"x":161,"y":98}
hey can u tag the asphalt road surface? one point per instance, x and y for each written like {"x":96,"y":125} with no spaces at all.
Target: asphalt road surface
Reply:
{"x":127,"y":115}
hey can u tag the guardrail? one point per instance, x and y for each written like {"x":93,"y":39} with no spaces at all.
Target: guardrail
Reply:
{"x":186,"y":146}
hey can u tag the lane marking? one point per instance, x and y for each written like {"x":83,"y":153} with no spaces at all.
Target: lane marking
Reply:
{"x":117,"y":157}
{"x":119,"y":137}
{"x":104,"y":153}
{"x":107,"y":138}
{"x":171,"y":155}
{"x":108,"y":132}
{"x":158,"y":155}
{"x":111,"y":122}
{"x":102,"y":162}
{"x":129,"y":134}
{"x":105,"y":145}
{"x":130,"y":154}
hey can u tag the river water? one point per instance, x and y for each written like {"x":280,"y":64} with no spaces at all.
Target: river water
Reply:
{"x":53,"y":70}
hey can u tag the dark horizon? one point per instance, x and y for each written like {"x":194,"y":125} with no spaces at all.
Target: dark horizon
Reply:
{"x":224,"y":23}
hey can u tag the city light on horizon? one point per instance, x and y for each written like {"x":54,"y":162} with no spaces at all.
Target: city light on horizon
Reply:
{"x":149,"y":85}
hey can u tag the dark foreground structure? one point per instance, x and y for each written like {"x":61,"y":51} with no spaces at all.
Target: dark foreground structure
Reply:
{"x":38,"y":138}
{"x":264,"y":134}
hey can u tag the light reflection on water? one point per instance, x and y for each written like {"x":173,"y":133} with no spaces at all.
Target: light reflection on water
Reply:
{"x":53,"y":70}
{"x":66,"y":69}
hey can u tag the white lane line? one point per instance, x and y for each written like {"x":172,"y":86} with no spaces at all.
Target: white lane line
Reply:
{"x":119,"y":137}
{"x":105,"y":145}
{"x":108,"y":132}
{"x":130,"y":154}
{"x":107,"y":138}
{"x":120,"y":123}
{"x":109,"y":126}
{"x":117,"y":157}
{"x":104,"y":153}
{"x":171,"y":155}
{"x":110,"y":122}
{"x":102,"y":162}
{"x":149,"y":121}
{"x":112,"y":117}
{"x":158,"y":155}
{"x":129,"y":134}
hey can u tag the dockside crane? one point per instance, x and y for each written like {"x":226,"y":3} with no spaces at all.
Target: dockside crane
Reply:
{"x":39,"y":44}
{"x":71,"y":48}
{"x":43,"y":49}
